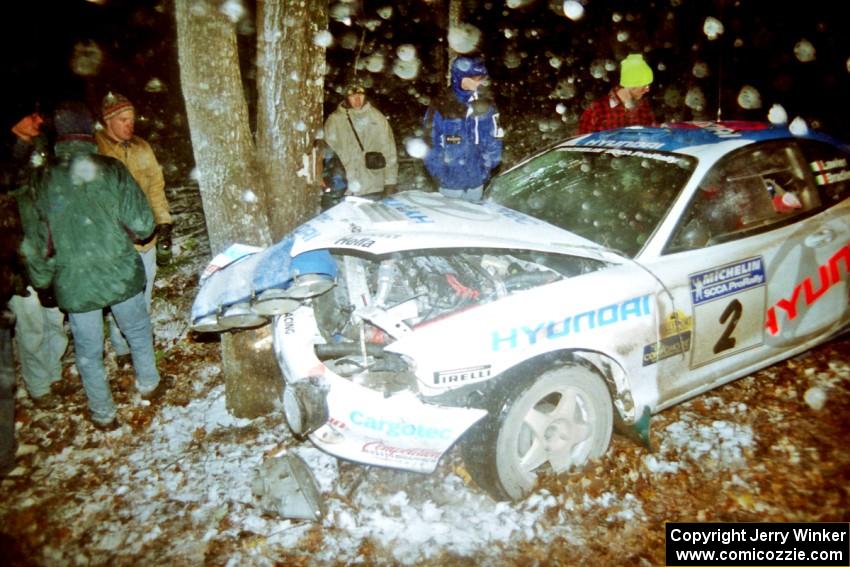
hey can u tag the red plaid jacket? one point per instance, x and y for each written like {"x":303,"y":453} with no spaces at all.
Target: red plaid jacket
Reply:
{"x":610,"y":112}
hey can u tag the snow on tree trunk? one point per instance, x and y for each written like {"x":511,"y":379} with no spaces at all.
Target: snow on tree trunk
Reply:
{"x":454,"y":22}
{"x":290,"y":78}
{"x":225,"y":156}
{"x":232,"y":187}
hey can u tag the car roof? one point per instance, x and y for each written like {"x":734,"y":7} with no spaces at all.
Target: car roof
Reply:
{"x":680,"y":137}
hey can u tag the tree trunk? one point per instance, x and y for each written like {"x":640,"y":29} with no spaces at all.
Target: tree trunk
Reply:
{"x":455,"y":8}
{"x":290,"y":77}
{"x":232,"y":189}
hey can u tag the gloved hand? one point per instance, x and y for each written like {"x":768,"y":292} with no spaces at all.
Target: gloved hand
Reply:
{"x":46,"y":297}
{"x":389,"y":190}
{"x":163,"y":245}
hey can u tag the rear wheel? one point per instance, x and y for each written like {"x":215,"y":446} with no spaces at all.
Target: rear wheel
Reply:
{"x":555,"y":422}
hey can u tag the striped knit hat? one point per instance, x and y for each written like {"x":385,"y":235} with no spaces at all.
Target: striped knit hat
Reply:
{"x":113,"y":104}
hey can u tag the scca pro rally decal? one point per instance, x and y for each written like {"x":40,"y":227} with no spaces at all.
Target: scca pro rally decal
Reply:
{"x":728,"y":301}
{"x":732,"y":278}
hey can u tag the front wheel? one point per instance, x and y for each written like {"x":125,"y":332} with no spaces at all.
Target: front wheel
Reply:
{"x":555,"y":422}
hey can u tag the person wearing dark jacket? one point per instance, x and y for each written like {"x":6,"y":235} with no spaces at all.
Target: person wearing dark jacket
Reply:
{"x":40,"y":334}
{"x":463,"y":132}
{"x":82,"y":214}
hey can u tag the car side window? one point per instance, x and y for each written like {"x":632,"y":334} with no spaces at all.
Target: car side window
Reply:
{"x":830,"y":168}
{"x":747,"y":193}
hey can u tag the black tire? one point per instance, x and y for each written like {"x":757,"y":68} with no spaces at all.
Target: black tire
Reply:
{"x":555,"y":422}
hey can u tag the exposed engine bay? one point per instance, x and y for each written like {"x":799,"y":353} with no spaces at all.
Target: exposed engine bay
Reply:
{"x":377,"y":301}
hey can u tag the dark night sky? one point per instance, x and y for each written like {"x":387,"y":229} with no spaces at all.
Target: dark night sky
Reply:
{"x":136,"y":38}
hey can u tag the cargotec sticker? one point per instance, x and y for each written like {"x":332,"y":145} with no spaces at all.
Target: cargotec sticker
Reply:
{"x":397,"y":428}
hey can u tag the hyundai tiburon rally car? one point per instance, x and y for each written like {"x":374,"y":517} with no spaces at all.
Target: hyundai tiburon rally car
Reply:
{"x":601,"y":281}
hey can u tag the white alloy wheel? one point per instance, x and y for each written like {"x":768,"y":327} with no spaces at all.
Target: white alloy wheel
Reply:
{"x":557,"y":422}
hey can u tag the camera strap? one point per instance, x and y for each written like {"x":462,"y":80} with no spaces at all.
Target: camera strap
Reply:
{"x":353,"y":129}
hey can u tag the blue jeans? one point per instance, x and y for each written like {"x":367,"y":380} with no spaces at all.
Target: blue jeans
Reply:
{"x":87,"y":328}
{"x":41,"y":339}
{"x":473,"y":194}
{"x":7,"y":398}
{"x":116,"y":337}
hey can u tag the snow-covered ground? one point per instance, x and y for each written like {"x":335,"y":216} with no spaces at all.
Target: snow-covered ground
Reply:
{"x":174,"y":484}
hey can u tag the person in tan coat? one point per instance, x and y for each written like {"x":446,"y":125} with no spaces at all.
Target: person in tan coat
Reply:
{"x":363,"y":139}
{"x":117,"y":139}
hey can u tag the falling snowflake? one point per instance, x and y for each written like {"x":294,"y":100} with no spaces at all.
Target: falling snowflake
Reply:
{"x":464,"y":38}
{"x":777,"y":115}
{"x":573,"y":10}
{"x":712,"y":28}
{"x":804,"y":51}
{"x":749,"y":98}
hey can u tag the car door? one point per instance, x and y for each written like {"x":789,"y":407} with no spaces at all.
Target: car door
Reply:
{"x":751,"y":270}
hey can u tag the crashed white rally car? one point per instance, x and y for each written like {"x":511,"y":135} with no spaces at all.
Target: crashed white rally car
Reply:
{"x":601,"y":281}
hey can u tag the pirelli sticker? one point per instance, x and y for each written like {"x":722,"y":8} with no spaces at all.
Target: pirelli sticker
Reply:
{"x":461,"y":375}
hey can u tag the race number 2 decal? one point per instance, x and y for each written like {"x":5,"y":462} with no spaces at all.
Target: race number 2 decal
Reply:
{"x":730,"y":317}
{"x":720,"y":297}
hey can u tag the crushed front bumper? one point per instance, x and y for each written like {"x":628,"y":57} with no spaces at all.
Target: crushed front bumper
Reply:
{"x":396,"y":430}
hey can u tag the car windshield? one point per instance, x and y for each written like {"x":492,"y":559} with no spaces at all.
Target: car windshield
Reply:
{"x":614,"y":197}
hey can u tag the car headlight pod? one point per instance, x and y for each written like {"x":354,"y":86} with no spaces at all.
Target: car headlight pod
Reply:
{"x":305,"y":406}
{"x":240,"y":315}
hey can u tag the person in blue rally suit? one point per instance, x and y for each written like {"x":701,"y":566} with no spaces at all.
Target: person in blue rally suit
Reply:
{"x":334,"y":181}
{"x":462,"y":129}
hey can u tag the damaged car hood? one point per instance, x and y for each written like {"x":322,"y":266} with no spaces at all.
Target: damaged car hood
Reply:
{"x":301,"y":265}
{"x":415,"y":220}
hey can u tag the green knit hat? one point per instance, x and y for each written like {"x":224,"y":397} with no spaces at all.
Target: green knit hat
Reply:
{"x":634,"y":72}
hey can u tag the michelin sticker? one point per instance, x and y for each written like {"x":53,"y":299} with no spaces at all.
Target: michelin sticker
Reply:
{"x":729,"y":304}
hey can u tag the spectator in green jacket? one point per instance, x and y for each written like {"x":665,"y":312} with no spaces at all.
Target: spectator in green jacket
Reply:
{"x":82,"y":214}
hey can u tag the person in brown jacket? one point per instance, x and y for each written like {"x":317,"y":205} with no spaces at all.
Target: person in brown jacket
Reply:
{"x":118,"y":140}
